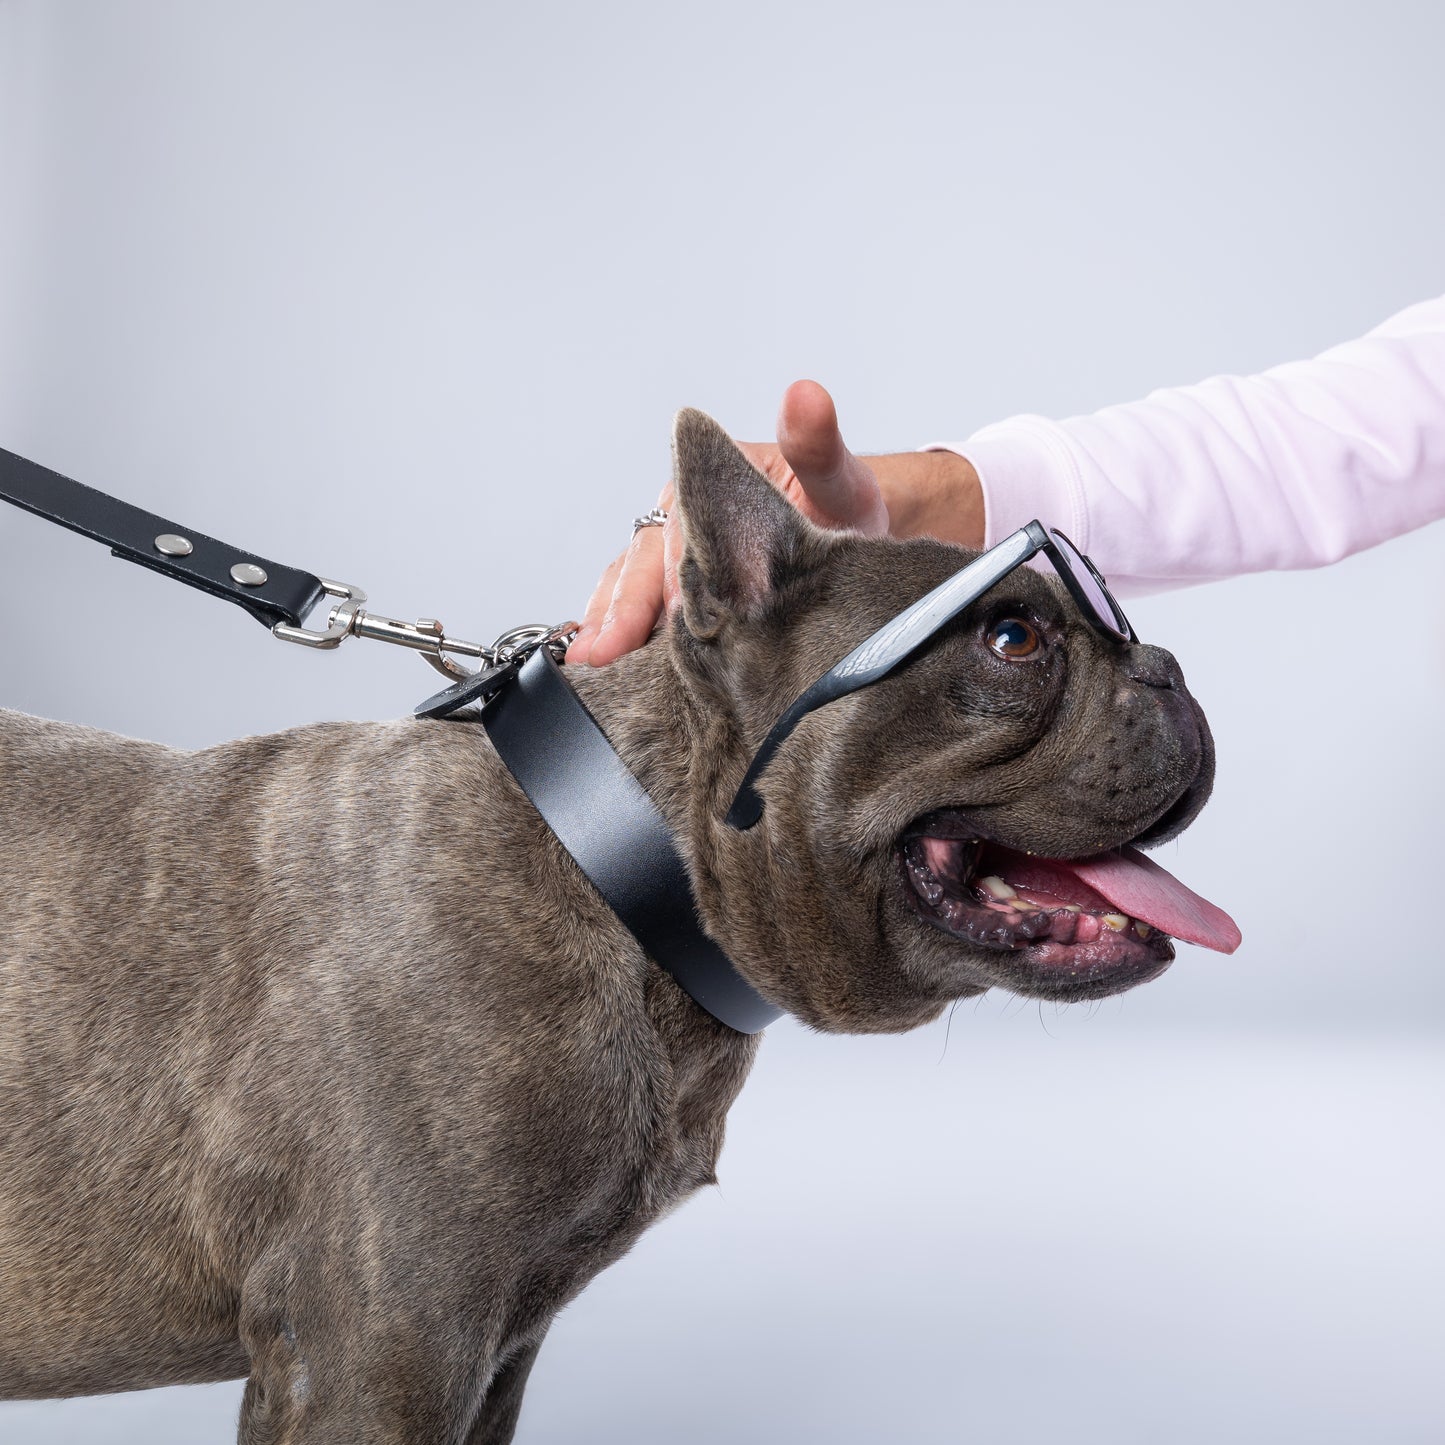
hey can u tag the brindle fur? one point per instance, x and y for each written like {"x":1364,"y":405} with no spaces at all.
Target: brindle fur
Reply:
{"x":322,"y":1063}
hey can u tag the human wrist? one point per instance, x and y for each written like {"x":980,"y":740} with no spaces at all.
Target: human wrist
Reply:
{"x":931,"y":494}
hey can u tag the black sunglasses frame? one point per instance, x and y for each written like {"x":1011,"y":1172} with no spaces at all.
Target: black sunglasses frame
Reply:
{"x":907,"y":633}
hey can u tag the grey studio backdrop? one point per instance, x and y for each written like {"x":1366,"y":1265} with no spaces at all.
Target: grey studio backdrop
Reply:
{"x":407,"y":294}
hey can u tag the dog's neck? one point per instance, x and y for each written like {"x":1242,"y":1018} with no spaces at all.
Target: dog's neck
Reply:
{"x":660,"y":727}
{"x":664,"y":731}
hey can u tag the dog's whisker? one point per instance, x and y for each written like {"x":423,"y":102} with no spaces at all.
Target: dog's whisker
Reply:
{"x":948,"y":1029}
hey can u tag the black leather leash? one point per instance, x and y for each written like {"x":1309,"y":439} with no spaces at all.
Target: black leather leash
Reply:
{"x":268,"y":591}
{"x":539,"y":726}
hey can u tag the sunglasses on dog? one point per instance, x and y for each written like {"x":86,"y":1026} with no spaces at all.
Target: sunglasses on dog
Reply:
{"x":897,"y":640}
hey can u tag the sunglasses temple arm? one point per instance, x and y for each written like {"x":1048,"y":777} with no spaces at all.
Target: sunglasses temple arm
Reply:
{"x":898,"y":640}
{"x":876,"y":656}
{"x":747,"y":804}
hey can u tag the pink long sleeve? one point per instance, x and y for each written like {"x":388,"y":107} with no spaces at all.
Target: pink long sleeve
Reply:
{"x":1295,"y":467}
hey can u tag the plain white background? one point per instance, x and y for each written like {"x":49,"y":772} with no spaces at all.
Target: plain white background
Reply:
{"x":407,"y":295}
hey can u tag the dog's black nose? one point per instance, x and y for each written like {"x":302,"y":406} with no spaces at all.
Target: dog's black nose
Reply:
{"x":1154,"y":667}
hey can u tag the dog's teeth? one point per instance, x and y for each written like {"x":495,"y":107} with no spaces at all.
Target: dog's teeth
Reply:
{"x":1142,"y":929}
{"x":1072,"y":908}
{"x":1117,"y":921}
{"x":1064,"y":926}
{"x":1023,"y":907}
{"x":997,"y":887}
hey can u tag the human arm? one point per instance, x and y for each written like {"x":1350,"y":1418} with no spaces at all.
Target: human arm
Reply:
{"x":1293,"y":467}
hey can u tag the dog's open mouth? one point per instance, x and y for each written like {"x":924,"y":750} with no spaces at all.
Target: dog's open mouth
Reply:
{"x":1108,"y":919}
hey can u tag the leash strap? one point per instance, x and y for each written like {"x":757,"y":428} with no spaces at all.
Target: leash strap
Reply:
{"x":604,"y":818}
{"x":268,"y":591}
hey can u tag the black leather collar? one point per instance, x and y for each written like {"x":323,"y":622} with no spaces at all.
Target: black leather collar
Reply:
{"x":604,"y":818}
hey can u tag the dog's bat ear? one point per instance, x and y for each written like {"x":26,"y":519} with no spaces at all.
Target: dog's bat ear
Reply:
{"x":739,"y":534}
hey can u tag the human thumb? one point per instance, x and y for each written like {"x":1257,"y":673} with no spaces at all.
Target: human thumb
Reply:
{"x":841,"y":490}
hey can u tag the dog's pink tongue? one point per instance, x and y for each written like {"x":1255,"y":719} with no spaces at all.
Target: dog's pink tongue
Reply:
{"x":1138,"y":886}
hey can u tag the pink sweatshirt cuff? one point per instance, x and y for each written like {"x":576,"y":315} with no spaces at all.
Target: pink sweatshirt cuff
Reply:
{"x":1025,"y":470}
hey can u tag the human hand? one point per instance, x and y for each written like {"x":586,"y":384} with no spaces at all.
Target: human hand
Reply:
{"x":907,"y":493}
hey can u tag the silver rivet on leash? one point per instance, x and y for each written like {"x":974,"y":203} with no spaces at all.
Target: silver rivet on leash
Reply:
{"x":655,"y":518}
{"x":248,"y":574}
{"x":171,"y":545}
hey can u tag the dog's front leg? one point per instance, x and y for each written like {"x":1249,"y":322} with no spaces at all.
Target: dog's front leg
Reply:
{"x":379,"y":1401}
{"x":497,"y":1422}
{"x":331,"y":1364}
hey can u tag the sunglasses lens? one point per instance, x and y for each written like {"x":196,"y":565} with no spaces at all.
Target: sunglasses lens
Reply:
{"x":1091,"y":586}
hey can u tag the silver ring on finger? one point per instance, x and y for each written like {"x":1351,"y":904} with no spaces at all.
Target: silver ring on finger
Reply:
{"x":655,"y":518}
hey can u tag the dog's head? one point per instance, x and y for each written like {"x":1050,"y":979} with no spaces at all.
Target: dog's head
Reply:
{"x":912,"y":845}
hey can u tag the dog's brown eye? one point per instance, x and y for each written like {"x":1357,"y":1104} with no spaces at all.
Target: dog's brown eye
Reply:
{"x":1013,"y":638}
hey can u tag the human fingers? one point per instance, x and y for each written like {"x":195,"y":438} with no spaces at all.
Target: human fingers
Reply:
{"x":581,"y":645}
{"x":671,"y":550}
{"x":636,"y":601}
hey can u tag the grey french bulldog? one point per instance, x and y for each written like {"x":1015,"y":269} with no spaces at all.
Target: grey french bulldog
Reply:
{"x":358,"y":1131}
